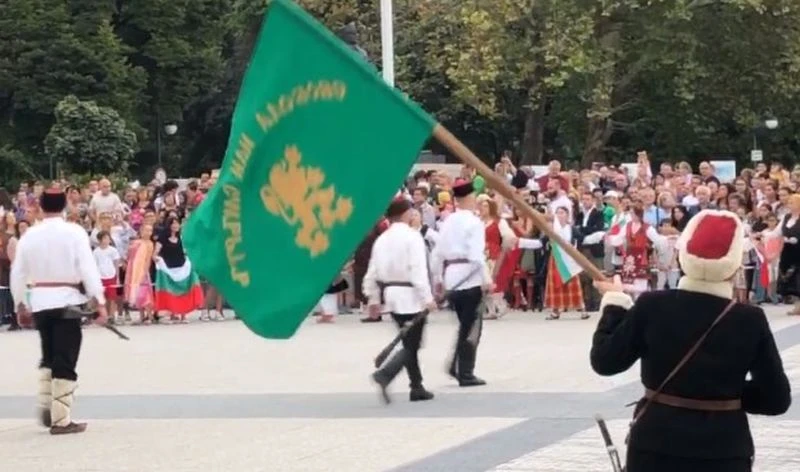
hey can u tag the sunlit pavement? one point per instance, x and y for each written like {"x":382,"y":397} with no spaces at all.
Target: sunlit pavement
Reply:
{"x":212,"y":396}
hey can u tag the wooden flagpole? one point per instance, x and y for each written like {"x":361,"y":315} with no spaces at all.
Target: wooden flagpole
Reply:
{"x":503,"y":188}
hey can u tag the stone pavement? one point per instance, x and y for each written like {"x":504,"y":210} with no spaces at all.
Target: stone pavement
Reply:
{"x":213,"y":397}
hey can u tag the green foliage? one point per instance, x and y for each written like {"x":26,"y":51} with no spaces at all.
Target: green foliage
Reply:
{"x":88,"y":138}
{"x":577,"y":79}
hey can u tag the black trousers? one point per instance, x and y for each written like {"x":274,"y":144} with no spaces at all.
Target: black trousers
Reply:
{"x":644,"y":461}
{"x":406,"y":357}
{"x":61,"y":342}
{"x":466,"y":304}
{"x":591,"y":297}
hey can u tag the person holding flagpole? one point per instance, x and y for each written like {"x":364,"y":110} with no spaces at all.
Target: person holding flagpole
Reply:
{"x":562,"y":290}
{"x":459,"y":266}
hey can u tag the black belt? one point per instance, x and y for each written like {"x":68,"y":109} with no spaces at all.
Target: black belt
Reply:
{"x":383,"y":285}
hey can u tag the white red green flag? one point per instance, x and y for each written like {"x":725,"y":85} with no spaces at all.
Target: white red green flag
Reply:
{"x":566,"y":267}
{"x":177,"y":289}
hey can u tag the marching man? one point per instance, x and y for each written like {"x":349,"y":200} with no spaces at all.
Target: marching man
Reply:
{"x":53,"y":269}
{"x":459,"y":266}
{"x":397,"y":280}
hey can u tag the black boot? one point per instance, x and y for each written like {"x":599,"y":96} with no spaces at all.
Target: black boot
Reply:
{"x":419,"y":394}
{"x":470,"y":381}
{"x":466,"y":367}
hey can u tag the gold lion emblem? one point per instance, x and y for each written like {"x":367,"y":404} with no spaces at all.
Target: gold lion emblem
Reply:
{"x":296,"y":194}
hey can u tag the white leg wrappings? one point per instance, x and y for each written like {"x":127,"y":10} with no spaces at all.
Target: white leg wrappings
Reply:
{"x":45,"y":394}
{"x":63,"y":394}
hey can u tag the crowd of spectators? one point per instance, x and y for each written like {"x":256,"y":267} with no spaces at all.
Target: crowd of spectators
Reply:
{"x":121,"y":224}
{"x":625,"y":221}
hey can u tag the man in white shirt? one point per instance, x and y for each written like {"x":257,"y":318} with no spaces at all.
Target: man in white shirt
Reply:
{"x":54,"y":269}
{"x":459,"y":266}
{"x":558,"y":198}
{"x":397,"y":280}
{"x":105,"y":201}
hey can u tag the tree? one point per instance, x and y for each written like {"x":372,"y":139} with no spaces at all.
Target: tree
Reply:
{"x":179,"y":43}
{"x":88,"y":138}
{"x":44,"y":57}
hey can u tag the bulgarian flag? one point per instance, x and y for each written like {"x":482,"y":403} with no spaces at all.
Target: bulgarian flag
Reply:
{"x":616,"y":226}
{"x":769,"y":249}
{"x":566,"y":267}
{"x":178,"y":289}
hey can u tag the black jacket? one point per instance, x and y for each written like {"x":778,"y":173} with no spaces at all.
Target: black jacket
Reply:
{"x":594,"y":224}
{"x":659,"y":329}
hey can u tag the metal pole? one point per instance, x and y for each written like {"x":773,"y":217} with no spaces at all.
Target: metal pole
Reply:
{"x":387,"y":41}
{"x":158,"y":136}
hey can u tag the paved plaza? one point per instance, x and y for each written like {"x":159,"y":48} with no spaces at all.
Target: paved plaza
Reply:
{"x":214,"y":397}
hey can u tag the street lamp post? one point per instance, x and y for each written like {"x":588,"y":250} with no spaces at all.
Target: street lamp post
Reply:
{"x":169,"y":129}
{"x":769,"y":124}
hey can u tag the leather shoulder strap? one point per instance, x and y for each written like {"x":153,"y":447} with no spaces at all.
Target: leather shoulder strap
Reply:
{"x":684,"y":359}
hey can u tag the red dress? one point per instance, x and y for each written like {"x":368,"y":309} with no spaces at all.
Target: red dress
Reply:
{"x":636,"y":264}
{"x":504,"y":273}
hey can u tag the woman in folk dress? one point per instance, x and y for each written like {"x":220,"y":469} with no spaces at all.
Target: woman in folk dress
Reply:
{"x":499,"y":255}
{"x":561,"y":296}
{"x":635,"y":242}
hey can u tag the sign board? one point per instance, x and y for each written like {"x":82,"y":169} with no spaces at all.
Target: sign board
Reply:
{"x":756,"y":155}
{"x":725,"y":170}
{"x":539,"y":171}
{"x":453,"y":170}
{"x":630,"y":169}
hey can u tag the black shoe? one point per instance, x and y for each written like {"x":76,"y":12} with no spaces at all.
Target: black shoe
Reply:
{"x":14,"y":327}
{"x":419,"y":394}
{"x":383,"y":384}
{"x":471,"y":381}
{"x":370,"y":319}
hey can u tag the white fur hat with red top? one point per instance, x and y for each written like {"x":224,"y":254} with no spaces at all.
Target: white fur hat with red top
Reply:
{"x":710,"y":248}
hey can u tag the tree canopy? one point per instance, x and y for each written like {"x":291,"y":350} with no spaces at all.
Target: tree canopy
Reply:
{"x":575,"y":79}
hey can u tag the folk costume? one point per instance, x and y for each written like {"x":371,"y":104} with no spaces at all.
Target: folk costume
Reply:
{"x":501,"y":261}
{"x":559,"y":294}
{"x":634,"y":243}
{"x":693,"y":416}
{"x":459,"y":265}
{"x":54,"y":269}
{"x":398,"y":279}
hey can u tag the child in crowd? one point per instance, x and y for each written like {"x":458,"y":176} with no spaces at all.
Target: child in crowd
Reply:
{"x":667,"y":257}
{"x":768,"y":245}
{"x":328,"y":306}
{"x":108,"y":262}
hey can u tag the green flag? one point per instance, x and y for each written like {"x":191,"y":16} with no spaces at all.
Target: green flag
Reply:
{"x":319,"y":144}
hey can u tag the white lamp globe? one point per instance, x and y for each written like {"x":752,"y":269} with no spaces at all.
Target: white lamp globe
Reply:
{"x":171,"y":129}
{"x":771,"y":123}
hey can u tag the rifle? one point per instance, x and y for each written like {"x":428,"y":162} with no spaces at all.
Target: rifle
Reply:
{"x":384,"y":354}
{"x":78,"y":313}
{"x":616,"y":464}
